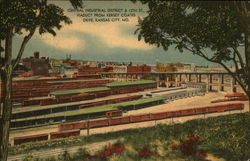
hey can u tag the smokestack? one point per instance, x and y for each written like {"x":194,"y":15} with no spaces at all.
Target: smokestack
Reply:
{"x":36,"y":55}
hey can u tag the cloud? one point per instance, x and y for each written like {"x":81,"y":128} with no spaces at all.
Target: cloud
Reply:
{"x":64,"y":41}
{"x":110,"y":33}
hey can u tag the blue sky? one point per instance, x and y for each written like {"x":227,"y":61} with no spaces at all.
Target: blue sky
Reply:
{"x":107,"y":41}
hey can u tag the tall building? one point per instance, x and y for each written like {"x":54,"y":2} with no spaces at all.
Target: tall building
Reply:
{"x":37,"y":65}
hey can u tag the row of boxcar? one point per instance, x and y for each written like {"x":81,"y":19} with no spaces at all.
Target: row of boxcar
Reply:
{"x":232,"y":97}
{"x":88,"y":76}
{"x":59,"y":84}
{"x":50,"y":101}
{"x":138,"y":69}
{"x":79,"y":97}
{"x":32,"y":82}
{"x":73,"y":128}
{"x":40,"y":137}
{"x":54,"y":87}
{"x":23,"y":89}
{"x":148,"y":117}
{"x":73,"y":107}
{"x":110,"y":101}
{"x":26,"y":85}
{"x":47,"y":101}
{"x":76,"y":117}
{"x":39,"y":92}
{"x":114,"y":113}
{"x":89,"y":70}
{"x":58,"y":134}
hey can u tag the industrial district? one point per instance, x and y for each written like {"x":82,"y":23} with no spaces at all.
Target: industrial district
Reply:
{"x":76,"y":97}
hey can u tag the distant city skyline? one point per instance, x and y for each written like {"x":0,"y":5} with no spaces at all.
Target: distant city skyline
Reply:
{"x":103,"y":41}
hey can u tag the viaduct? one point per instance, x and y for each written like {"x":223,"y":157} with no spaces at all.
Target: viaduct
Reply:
{"x":215,"y":81}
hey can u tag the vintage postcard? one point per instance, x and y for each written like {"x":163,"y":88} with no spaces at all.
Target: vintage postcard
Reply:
{"x":124,"y":80}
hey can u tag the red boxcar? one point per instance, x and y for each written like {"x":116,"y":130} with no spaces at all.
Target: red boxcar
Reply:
{"x":115,"y":121}
{"x":140,"y":118}
{"x":64,"y":134}
{"x":48,"y":101}
{"x":103,"y":93}
{"x":114,"y":113}
{"x":187,"y":112}
{"x":202,"y":110}
{"x":235,"y":106}
{"x":125,"y":119}
{"x":30,"y":102}
{"x":98,"y":123}
{"x":71,"y":126}
{"x":31,"y":138}
{"x":161,"y":115}
{"x":114,"y":92}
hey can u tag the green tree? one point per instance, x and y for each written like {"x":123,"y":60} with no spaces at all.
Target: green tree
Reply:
{"x":23,"y":18}
{"x":212,"y":30}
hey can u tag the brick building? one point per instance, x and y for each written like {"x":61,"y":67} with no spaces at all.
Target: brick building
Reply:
{"x":38,"y":66}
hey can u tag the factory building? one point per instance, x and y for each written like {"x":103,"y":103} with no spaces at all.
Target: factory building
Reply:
{"x":37,"y":65}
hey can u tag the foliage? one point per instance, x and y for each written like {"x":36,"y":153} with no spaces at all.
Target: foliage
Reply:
{"x":213,"y":31}
{"x":177,"y":23}
{"x":28,"y":15}
{"x":145,"y":152}
{"x":80,"y":155}
{"x":117,"y":148}
{"x":189,"y":146}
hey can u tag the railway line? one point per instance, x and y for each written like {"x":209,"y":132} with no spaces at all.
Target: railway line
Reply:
{"x":57,"y":114}
{"x":73,"y":129}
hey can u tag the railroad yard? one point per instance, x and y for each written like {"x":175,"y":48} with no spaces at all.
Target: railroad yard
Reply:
{"x":86,"y":104}
{"x":152,"y":80}
{"x":185,"y":103}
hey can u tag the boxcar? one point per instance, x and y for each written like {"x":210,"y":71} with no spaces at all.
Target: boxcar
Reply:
{"x":31,"y":138}
{"x":71,"y":126}
{"x":114,"y":113}
{"x":64,"y":134}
